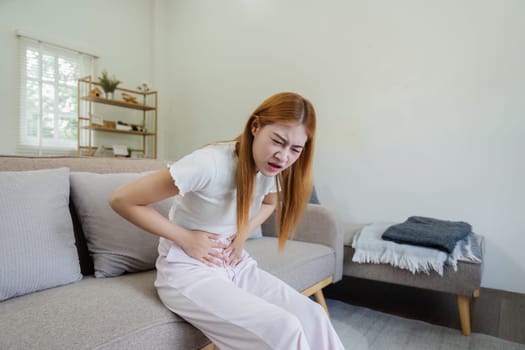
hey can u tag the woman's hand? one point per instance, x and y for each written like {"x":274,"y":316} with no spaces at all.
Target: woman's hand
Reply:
{"x":233,"y":254}
{"x":202,"y":245}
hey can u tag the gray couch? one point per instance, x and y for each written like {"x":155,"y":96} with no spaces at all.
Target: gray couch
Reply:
{"x":124,"y":312}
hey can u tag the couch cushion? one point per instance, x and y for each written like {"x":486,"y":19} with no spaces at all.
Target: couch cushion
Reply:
{"x":37,"y":249}
{"x":300,"y":264}
{"x":113,"y":313}
{"x":116,"y":245}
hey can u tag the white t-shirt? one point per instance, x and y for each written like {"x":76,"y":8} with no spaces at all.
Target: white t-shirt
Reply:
{"x":207,"y":198}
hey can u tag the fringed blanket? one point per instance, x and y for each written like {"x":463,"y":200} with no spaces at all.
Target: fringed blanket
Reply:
{"x":370,"y":248}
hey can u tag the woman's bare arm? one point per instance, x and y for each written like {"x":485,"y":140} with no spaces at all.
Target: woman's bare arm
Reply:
{"x":268,"y":206}
{"x":132,"y":201}
{"x":234,"y":252}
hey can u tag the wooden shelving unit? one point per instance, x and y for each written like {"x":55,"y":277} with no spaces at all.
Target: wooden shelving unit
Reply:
{"x":146,"y":106}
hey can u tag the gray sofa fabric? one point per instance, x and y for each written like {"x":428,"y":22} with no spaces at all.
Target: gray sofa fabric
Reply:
{"x":125,"y":312}
{"x":301,"y":264}
{"x":112,"y":313}
{"x":332,"y":235}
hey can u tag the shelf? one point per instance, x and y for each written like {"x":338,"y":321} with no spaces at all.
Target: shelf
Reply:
{"x":142,"y":115}
{"x":102,"y":128}
{"x":119,"y":103}
{"x":109,"y":149}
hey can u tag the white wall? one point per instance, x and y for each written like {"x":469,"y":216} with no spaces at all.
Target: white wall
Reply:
{"x":420,"y":103}
{"x":118,"y":31}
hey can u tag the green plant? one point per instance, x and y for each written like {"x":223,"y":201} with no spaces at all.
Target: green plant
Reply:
{"x":108,"y":84}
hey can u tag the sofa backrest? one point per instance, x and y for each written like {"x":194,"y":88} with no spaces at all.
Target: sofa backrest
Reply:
{"x":86,"y":164}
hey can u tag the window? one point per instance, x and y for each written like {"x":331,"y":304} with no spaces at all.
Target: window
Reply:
{"x":48,"y":96}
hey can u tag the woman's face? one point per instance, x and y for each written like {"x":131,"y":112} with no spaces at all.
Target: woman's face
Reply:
{"x":277,"y":146}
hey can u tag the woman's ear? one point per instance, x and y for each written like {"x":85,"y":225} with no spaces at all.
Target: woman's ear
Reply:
{"x":255,"y":125}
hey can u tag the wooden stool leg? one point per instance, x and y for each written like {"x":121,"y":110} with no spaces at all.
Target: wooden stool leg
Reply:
{"x":319,"y":297}
{"x":464,"y":313}
{"x":210,"y":346}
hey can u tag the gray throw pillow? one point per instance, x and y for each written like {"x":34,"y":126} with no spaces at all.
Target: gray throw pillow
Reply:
{"x":37,"y":243}
{"x":116,"y":245}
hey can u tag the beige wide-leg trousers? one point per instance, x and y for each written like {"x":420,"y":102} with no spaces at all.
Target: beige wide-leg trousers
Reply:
{"x":242,"y":307}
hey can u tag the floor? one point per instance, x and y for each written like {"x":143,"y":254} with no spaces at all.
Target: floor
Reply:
{"x":495,"y":312}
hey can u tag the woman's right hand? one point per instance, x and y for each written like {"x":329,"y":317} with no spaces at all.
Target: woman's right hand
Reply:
{"x":201,"y":245}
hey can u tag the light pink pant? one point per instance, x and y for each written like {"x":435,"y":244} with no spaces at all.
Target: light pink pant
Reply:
{"x":242,"y":307}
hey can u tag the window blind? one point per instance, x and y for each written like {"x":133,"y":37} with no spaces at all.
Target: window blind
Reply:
{"x":48,"y":77}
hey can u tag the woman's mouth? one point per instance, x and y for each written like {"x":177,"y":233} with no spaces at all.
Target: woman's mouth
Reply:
{"x":274,"y":167}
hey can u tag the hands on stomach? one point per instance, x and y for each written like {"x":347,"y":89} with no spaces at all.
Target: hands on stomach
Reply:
{"x":209,"y":249}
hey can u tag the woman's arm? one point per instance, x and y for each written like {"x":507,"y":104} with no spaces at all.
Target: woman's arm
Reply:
{"x":234,"y":252}
{"x":132,"y":201}
{"x":268,"y":206}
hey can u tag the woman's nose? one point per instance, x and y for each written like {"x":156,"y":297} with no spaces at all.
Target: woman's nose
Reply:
{"x":281,"y":155}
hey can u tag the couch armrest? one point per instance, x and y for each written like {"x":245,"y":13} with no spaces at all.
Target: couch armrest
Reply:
{"x":318,"y":225}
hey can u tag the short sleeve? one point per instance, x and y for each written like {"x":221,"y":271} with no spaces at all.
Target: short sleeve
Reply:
{"x":266,"y":184}
{"x":194,"y":171}
{"x":270,"y":187}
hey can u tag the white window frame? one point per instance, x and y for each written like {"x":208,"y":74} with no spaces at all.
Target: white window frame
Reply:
{"x":85,"y":65}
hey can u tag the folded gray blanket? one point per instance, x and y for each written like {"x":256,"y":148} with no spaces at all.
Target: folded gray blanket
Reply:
{"x":428,"y":232}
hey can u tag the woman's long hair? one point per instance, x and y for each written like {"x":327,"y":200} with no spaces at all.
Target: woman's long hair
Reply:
{"x":294,"y":184}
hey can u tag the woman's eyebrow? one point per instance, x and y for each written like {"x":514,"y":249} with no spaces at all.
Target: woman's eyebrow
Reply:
{"x":280,"y":137}
{"x":283,"y":139}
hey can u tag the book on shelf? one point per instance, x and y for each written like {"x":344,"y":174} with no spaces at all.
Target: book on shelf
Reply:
{"x":123,"y":126}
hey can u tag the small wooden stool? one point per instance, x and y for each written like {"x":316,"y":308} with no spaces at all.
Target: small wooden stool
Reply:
{"x":464,"y":283}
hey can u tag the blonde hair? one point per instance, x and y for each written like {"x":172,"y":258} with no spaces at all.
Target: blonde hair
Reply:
{"x":294,"y":184}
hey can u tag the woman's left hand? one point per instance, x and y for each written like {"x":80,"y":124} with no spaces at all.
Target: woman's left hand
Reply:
{"x":234,"y":252}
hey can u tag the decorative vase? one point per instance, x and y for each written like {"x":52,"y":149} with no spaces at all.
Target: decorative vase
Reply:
{"x":109,"y":95}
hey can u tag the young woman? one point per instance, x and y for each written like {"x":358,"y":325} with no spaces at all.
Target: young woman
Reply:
{"x":223,"y":192}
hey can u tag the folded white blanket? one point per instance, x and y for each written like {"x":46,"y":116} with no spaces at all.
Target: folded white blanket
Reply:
{"x":467,"y":249}
{"x":370,"y":248}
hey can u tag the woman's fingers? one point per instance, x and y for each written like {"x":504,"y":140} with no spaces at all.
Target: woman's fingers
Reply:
{"x":235,"y":261}
{"x":211,"y":261}
{"x":215,"y":258}
{"x":216,"y":242}
{"x":216,"y":254}
{"x":234,"y":258}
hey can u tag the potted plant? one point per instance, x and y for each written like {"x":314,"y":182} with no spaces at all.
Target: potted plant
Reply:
{"x":108,"y":84}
